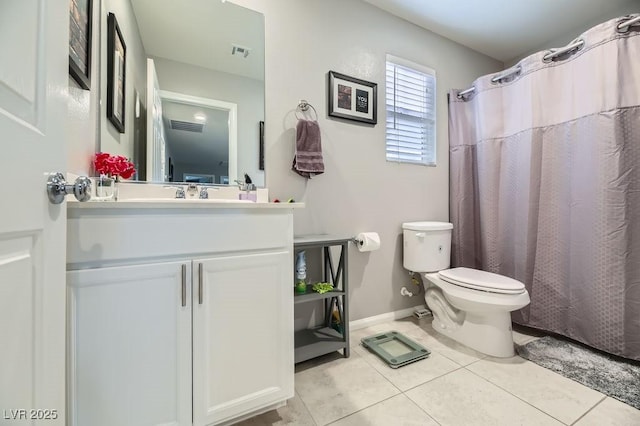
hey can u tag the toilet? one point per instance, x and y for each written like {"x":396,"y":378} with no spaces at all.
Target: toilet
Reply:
{"x":470,"y":306}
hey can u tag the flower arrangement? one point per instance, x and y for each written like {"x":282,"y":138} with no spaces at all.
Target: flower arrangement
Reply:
{"x":113,"y":165}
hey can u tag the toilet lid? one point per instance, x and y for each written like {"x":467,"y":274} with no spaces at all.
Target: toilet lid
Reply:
{"x":482,"y":280}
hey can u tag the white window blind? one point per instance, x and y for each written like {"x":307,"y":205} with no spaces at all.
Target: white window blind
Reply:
{"x":411,"y":112}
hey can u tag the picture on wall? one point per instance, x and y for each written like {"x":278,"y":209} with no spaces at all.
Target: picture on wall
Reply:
{"x":116,"y":73}
{"x":352,"y":98}
{"x":80,"y":42}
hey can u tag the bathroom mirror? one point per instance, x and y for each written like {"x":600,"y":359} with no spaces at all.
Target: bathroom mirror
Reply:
{"x":199,"y":117}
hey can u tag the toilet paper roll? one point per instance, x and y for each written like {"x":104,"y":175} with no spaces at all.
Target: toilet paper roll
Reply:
{"x":368,"y":241}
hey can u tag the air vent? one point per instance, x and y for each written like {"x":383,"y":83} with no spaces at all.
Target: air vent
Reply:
{"x":187,"y":126}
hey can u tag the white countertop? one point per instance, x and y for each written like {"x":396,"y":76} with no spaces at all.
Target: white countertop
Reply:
{"x":180,"y":204}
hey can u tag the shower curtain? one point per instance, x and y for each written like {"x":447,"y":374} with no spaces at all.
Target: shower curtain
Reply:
{"x":545,"y":185}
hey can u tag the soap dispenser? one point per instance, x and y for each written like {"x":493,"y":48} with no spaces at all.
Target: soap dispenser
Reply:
{"x":248,"y":189}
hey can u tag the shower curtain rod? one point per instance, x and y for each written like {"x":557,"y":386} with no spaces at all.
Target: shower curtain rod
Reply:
{"x":517,"y":69}
{"x":623,"y":27}
{"x":629,"y":23}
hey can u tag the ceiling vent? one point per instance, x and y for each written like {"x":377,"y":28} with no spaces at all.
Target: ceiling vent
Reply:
{"x":240,"y":50}
{"x":187,"y":126}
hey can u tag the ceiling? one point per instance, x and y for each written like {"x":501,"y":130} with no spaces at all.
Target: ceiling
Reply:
{"x":202,"y":33}
{"x":507,"y":30}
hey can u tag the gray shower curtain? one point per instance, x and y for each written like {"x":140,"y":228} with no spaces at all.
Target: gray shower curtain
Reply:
{"x":545,"y":186}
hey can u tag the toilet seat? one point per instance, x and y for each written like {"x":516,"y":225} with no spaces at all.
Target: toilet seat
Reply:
{"x":475,"y":279}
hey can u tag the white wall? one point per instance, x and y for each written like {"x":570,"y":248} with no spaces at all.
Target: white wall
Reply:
{"x":246,"y":93}
{"x":112,"y":141}
{"x":359,"y":191}
{"x":88,"y":128}
{"x":82,"y":123}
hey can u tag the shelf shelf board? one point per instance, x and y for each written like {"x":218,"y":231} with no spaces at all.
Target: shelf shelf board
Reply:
{"x":311,"y":295}
{"x":314,"y":342}
{"x":319,"y":240}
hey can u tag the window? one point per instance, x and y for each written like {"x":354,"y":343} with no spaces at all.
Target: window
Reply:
{"x":411,"y":112}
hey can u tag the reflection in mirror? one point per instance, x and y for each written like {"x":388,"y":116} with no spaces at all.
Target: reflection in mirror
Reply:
{"x":200,"y":139}
{"x":209,"y":61}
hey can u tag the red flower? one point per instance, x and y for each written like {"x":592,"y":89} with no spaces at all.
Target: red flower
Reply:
{"x":113,"y":165}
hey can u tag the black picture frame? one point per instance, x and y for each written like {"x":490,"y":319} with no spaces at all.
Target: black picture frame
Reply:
{"x":116,"y":79}
{"x":352,"y":98}
{"x":261,"y":147}
{"x":80,"y":14}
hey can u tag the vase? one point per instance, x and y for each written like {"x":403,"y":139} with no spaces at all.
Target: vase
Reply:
{"x":105,"y":188}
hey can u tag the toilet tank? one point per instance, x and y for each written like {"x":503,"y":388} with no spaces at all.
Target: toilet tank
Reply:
{"x":427,"y":246}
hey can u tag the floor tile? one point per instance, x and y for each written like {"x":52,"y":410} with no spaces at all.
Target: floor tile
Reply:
{"x":336,"y":389}
{"x":462,"y":398}
{"x":611,"y":412}
{"x":294,"y":413}
{"x":562,"y":398}
{"x":412,"y":375}
{"x":398,"y":410}
{"x":434,"y":341}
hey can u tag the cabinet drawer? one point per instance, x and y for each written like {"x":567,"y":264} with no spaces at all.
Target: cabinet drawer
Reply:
{"x":106,"y":237}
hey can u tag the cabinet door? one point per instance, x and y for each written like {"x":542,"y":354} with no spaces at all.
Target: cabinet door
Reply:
{"x":242,"y":335}
{"x":130,"y":345}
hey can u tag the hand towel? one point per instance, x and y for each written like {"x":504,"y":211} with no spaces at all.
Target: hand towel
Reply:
{"x":307,"y":160}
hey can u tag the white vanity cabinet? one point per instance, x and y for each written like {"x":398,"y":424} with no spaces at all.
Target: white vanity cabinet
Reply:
{"x":178,"y":316}
{"x":238,"y":352}
{"x":130,"y":341}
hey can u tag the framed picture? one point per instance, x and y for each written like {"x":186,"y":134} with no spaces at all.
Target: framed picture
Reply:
{"x":116,"y":73}
{"x":80,"y":13}
{"x":352,"y":98}
{"x":261,"y":147}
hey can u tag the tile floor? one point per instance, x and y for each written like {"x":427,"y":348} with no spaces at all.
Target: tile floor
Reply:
{"x":455,"y":386}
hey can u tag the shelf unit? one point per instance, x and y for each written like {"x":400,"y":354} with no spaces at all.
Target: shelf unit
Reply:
{"x":313,"y":342}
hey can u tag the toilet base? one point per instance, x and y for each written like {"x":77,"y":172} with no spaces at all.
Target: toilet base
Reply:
{"x":489,"y":334}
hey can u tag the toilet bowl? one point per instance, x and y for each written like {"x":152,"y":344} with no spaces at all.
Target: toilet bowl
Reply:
{"x":470,"y":306}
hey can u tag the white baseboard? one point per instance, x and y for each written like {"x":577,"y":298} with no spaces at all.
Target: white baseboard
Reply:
{"x":378,"y":319}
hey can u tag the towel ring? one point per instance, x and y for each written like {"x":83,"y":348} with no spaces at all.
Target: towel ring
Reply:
{"x":303,"y":107}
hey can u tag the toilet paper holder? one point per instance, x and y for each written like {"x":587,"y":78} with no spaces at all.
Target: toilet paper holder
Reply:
{"x":366,"y":241}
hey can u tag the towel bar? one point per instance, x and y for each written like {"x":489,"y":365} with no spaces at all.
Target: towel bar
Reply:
{"x":304,"y":106}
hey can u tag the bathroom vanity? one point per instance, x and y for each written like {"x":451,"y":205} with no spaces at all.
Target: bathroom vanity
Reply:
{"x":178,"y":313}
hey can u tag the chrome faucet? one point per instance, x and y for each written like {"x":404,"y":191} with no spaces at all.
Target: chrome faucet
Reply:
{"x":179,"y":190}
{"x":204,"y":193}
{"x":192,"y":189}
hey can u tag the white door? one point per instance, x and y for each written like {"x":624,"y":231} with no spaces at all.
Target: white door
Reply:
{"x":130,"y":345}
{"x":156,"y":151}
{"x":33,"y":94}
{"x":242,"y":335}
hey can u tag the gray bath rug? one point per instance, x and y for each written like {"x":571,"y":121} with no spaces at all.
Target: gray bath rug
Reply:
{"x":613,"y":377}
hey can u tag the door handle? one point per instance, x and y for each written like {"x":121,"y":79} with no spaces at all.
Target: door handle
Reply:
{"x":200,"y":283}
{"x":184,"y":285}
{"x":57,"y":188}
